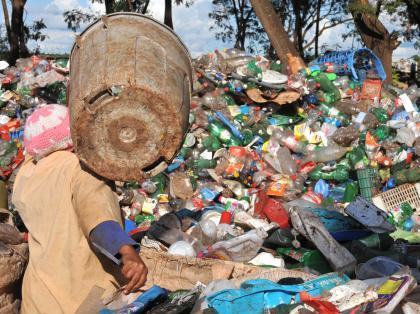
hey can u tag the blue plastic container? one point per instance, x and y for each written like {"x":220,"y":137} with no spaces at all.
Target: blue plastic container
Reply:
{"x":349,"y":57}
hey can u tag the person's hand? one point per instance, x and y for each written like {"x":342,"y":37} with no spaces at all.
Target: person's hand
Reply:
{"x":133,"y":269}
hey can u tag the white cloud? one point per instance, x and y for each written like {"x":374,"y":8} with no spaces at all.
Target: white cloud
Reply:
{"x":191,"y":24}
{"x":65,"y":4}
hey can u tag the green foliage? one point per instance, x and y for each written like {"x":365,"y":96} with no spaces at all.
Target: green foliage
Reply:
{"x":75,"y":18}
{"x":235,"y":21}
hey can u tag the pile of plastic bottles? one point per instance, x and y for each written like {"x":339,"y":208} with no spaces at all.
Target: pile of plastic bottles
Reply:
{"x":269,"y":179}
{"x":315,"y":171}
{"x":32,"y":82}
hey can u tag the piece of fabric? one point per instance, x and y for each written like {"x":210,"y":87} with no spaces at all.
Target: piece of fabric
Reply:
{"x":47,"y":130}
{"x":60,"y":204}
{"x":110,"y":236}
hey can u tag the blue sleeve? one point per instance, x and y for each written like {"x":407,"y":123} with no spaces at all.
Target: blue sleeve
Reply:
{"x":111,"y":237}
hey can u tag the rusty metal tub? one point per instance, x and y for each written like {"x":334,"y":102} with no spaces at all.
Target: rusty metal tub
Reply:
{"x":129,"y":96}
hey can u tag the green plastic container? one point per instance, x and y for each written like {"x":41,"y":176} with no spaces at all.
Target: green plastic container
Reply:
{"x":368,"y":182}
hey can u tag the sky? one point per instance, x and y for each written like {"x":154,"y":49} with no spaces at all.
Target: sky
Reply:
{"x":191,"y":24}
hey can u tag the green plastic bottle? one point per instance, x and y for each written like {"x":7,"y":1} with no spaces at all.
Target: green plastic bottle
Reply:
{"x":380,"y":114}
{"x":340,"y":174}
{"x":351,"y":191}
{"x":326,"y":85}
{"x":411,"y":175}
{"x":201,"y":163}
{"x":306,"y":258}
{"x":357,"y":157}
{"x":159,"y":181}
{"x":248,"y":136}
{"x":382,"y":132}
{"x":229,"y":100}
{"x":276,"y":66}
{"x":326,"y":98}
{"x":253,"y":69}
{"x":218,"y":130}
{"x":211,"y":143}
{"x":334,"y":112}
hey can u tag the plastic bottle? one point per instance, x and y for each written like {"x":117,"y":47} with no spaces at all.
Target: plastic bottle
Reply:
{"x":230,"y":65}
{"x":325,"y":154}
{"x":242,"y":248}
{"x":411,"y":175}
{"x":345,"y":136}
{"x":331,"y":67}
{"x":218,"y":130}
{"x":214,"y":100}
{"x":350,"y":192}
{"x":287,"y":139}
{"x":380,"y":114}
{"x":201,"y":163}
{"x":405,"y":136}
{"x":235,"y":52}
{"x":327,"y":86}
{"x":340,"y":174}
{"x":287,"y":163}
{"x":211,"y":143}
{"x":205,"y":231}
{"x":229,"y":125}
{"x":326,"y":98}
{"x":343,"y":82}
{"x":182,"y":248}
{"x":333,"y":112}
{"x":149,"y":186}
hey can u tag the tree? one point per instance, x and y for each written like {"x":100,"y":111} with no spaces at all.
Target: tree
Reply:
{"x":18,"y":33}
{"x":77,"y":17}
{"x":376,"y":36}
{"x":168,"y":10}
{"x":275,"y":29}
{"x":235,"y":20}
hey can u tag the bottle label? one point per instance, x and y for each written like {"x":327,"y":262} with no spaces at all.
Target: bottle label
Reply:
{"x":334,"y":112}
{"x":408,"y":105}
{"x":290,"y":142}
{"x":225,"y":135}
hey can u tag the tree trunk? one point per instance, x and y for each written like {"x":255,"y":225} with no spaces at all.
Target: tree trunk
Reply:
{"x":146,"y":5}
{"x":274,"y":29}
{"x":109,"y":6}
{"x":318,"y":14}
{"x":298,"y":27}
{"x":6,"y":19}
{"x":168,"y":14}
{"x":17,"y":43}
{"x":377,"y":38}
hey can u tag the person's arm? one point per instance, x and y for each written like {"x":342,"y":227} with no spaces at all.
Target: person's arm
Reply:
{"x":95,"y":204}
{"x":110,"y":236}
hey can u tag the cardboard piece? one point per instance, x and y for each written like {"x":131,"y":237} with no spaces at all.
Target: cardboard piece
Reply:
{"x":182,"y":273}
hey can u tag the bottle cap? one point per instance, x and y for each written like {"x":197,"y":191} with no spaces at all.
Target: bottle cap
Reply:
{"x":226,"y":218}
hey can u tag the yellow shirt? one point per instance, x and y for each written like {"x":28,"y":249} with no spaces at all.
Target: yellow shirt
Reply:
{"x":60,"y":204}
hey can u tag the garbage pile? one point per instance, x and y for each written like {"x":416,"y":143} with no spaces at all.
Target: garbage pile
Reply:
{"x":290,"y":192}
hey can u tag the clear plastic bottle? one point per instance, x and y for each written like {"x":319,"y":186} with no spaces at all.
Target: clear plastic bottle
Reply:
{"x":287,"y":163}
{"x":230,"y":65}
{"x":325,"y":154}
{"x":288,"y":139}
{"x":242,"y":248}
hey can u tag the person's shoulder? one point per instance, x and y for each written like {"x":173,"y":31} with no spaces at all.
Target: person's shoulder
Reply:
{"x":64,"y":157}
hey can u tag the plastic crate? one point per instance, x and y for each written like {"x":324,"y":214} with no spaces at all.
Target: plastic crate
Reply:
{"x":368,"y":182}
{"x":358,"y":61}
{"x":392,"y":199}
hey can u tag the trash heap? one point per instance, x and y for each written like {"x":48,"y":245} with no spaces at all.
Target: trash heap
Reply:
{"x":289,"y":192}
